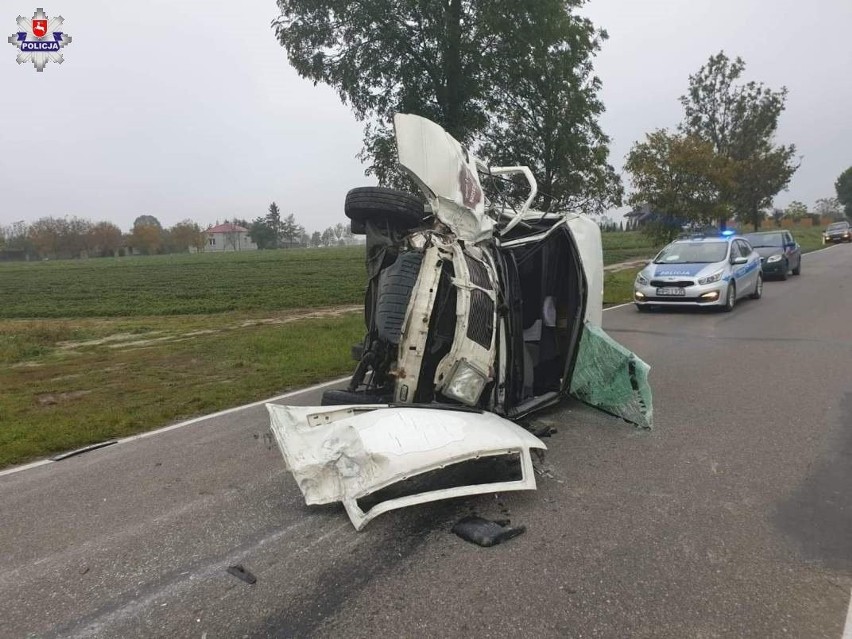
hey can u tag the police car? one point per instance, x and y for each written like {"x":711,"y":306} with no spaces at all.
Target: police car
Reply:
{"x":700,"y":271}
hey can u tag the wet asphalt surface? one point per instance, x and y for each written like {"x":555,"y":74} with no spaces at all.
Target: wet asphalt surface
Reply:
{"x":733,"y":518}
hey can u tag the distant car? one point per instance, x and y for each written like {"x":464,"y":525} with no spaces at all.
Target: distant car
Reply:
{"x":838,"y":232}
{"x":779,"y":253}
{"x":700,"y":271}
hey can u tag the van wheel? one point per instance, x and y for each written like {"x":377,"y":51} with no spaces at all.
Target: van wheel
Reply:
{"x":377,"y":204}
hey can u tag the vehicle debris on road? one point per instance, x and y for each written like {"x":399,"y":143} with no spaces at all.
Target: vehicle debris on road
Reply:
{"x":486,"y":533}
{"x":241,"y":573}
{"x":478,"y":312}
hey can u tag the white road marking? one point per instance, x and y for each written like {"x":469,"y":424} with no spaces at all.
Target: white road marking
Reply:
{"x":43,"y":462}
{"x":612,"y":308}
{"x":235,"y":409}
{"x":18,"y":469}
{"x":189,"y":422}
{"x":847,"y":629}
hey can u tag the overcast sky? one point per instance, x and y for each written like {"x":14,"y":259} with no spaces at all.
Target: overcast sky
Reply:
{"x":188,"y":109}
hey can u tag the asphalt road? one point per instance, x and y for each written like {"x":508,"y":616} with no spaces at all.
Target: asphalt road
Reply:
{"x":733,"y":518}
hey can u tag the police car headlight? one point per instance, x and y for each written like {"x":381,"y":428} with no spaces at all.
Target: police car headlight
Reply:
{"x":773,"y":258}
{"x":711,"y":278}
{"x":466,"y":384}
{"x":641,"y":279}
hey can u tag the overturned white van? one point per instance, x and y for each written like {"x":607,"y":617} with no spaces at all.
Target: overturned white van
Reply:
{"x":476,"y":315}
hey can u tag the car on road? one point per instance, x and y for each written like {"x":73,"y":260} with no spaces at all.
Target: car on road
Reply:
{"x":709,"y":270}
{"x":479,"y":311}
{"x":838,"y":232}
{"x":780,"y":254}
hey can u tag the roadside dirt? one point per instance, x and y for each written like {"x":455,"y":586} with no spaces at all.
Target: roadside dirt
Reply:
{"x":129,"y":341}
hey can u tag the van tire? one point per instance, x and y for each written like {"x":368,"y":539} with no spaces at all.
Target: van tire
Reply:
{"x":377,"y":204}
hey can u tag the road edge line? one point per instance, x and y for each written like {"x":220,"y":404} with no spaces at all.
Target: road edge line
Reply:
{"x":188,"y":422}
{"x":847,"y":629}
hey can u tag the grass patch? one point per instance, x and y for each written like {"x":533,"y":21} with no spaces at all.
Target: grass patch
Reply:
{"x":618,"y":286}
{"x":58,"y":394}
{"x":623,"y":246}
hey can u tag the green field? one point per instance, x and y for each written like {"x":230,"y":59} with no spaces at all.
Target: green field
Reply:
{"x":103,"y":348}
{"x":624,"y":246}
{"x":183,"y":284}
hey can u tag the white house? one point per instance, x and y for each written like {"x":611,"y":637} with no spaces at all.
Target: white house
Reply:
{"x":228,"y":237}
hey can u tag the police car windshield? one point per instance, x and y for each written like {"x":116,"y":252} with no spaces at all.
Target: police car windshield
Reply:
{"x":693,"y":253}
{"x":765,"y":239}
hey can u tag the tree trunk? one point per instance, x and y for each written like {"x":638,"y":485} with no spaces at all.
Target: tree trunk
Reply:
{"x":452,"y":62}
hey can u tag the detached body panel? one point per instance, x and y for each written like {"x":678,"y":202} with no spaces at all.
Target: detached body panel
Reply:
{"x":348,"y":453}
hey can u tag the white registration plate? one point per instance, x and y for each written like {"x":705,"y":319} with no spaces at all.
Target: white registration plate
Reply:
{"x":671,"y":291}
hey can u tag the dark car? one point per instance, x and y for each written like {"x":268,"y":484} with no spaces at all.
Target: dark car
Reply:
{"x":838,"y":232}
{"x":779,"y":253}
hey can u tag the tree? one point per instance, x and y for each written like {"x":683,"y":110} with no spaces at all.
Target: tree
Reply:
{"x":829,"y":207}
{"x":454,"y":62}
{"x":147,"y":220}
{"x":273,"y":221}
{"x":147,"y":239}
{"x":757,"y":179}
{"x":262,"y":234}
{"x":316,"y":239}
{"x":796,"y":211}
{"x":105,"y":238}
{"x":843,"y":186}
{"x":740,"y":121}
{"x":291,"y":231}
{"x":185,"y":234}
{"x":549,"y":119}
{"x":680,"y":177}
{"x":45,"y":235}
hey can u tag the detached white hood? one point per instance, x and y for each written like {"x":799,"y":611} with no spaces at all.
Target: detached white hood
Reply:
{"x":344,"y":453}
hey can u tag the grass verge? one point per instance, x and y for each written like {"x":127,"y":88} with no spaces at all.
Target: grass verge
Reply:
{"x":66,"y":385}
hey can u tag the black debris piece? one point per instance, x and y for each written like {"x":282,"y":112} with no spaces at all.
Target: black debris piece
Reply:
{"x":486,"y":533}
{"x":80,"y":451}
{"x":241,"y":573}
{"x":544,"y":431}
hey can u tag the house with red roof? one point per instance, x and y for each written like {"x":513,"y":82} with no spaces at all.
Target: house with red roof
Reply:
{"x":228,"y":237}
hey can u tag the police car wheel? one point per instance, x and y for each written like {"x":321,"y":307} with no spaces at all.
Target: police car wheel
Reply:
{"x":730,"y":298}
{"x":758,"y":288}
